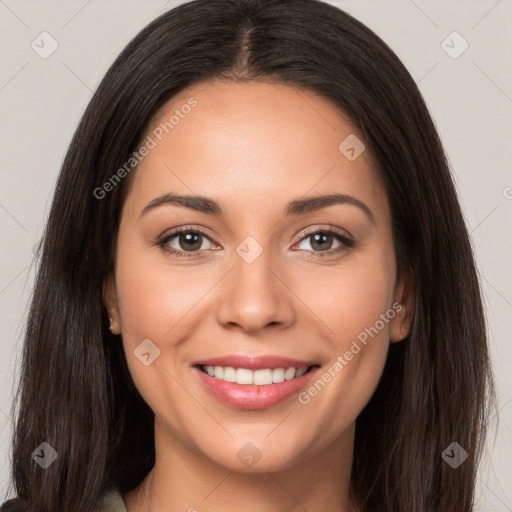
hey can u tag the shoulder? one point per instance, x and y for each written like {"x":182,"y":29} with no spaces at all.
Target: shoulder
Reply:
{"x":112,"y":501}
{"x":12,"y":505}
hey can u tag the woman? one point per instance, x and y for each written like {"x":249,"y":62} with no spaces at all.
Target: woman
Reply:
{"x":256,"y":288}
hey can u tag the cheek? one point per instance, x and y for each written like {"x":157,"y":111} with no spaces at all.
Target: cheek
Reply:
{"x":352,"y":298}
{"x":355,"y":305}
{"x":153,"y":297}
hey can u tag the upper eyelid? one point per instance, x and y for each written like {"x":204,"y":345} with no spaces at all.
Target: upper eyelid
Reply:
{"x":324,"y":228}
{"x":164,"y":239}
{"x":302,"y":235}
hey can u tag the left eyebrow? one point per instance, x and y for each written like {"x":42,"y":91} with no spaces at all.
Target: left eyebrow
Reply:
{"x":310,"y":204}
{"x":296,"y":207}
{"x":199,"y":203}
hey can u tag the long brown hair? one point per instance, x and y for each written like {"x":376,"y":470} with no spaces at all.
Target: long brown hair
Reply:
{"x":75,"y":391}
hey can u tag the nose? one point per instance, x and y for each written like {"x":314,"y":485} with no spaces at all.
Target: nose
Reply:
{"x":255,"y":296}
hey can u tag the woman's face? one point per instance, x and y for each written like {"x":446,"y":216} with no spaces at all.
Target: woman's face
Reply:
{"x":254,"y":283}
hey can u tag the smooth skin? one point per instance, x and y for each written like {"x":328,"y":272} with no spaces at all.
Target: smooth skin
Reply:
{"x":253,"y":147}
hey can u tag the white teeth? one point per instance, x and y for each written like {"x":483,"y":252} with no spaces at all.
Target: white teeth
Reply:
{"x":289,"y":374}
{"x":229,"y":374}
{"x":278,"y":375}
{"x":257,"y":377}
{"x":300,"y":372}
{"x":263,"y":377}
{"x":244,"y":376}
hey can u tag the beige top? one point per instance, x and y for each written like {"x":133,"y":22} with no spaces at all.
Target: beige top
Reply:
{"x":113,"y":502}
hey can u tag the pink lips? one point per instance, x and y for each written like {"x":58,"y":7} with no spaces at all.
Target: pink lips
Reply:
{"x":247,"y":396}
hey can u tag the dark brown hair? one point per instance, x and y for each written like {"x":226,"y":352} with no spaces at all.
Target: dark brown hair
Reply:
{"x":75,"y":391}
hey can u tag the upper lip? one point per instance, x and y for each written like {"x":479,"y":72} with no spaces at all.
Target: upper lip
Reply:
{"x":254,"y":362}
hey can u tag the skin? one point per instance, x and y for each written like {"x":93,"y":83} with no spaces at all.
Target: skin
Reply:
{"x":253,"y":147}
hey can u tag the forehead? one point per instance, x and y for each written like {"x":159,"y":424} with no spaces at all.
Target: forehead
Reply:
{"x":253,"y":144}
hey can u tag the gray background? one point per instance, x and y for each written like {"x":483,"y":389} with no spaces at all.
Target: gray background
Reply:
{"x":470,"y":98}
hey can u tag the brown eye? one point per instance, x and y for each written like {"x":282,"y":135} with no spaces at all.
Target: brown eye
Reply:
{"x":321,"y":242}
{"x":190,"y":241}
{"x":187,"y":242}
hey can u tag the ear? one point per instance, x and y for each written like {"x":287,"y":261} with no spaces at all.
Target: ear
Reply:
{"x":111,"y":303}
{"x":403,"y":304}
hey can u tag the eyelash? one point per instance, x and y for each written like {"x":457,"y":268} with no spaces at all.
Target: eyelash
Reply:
{"x":346,"y":242}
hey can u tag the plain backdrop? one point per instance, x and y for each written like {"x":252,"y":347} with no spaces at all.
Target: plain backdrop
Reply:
{"x":470,"y":98}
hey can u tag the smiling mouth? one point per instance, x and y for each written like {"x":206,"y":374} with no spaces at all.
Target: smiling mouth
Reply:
{"x":261,"y":377}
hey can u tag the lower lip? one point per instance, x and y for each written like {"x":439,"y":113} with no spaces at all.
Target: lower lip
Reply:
{"x":250,"y":396}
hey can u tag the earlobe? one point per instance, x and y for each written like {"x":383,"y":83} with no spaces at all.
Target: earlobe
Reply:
{"x":404,"y":331}
{"x":398,"y":329}
{"x":110,"y":301}
{"x":401,"y":324}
